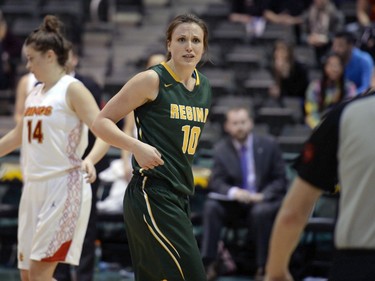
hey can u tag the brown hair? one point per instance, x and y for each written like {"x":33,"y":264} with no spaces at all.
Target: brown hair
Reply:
{"x":187,"y":18}
{"x":325,"y":81}
{"x":48,"y":36}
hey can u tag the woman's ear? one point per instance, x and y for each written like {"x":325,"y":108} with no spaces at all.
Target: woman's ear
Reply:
{"x":168,"y":45}
{"x":50,"y":55}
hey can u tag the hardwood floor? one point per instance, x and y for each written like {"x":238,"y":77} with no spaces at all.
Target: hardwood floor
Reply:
{"x":11,"y":274}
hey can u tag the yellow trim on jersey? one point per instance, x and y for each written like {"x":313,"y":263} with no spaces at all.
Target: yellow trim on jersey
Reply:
{"x":175,"y":77}
{"x":158,"y":231}
{"x":197,"y":79}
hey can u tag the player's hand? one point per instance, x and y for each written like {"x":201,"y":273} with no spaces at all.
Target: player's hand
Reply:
{"x":147,"y":156}
{"x":88,"y":167}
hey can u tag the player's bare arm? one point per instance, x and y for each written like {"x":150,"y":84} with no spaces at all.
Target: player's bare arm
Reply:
{"x":137,"y":91}
{"x":12,"y":140}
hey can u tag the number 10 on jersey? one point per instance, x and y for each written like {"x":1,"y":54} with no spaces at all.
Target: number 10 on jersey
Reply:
{"x":191,"y":137}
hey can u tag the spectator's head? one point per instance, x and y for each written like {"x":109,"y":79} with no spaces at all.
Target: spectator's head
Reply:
{"x":343,"y":44}
{"x":333,"y":67}
{"x":238,"y":123}
{"x":283,"y":50}
{"x":333,"y":74}
{"x":282,"y":59}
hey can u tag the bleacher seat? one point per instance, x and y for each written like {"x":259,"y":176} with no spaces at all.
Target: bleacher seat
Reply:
{"x":15,"y":9}
{"x":214,"y":13}
{"x":275,"y":117}
{"x":245,"y":58}
{"x":222,"y":82}
{"x":228,"y":34}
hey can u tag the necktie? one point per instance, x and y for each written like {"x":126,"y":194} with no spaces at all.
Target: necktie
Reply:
{"x":244,"y":166}
{"x":247,"y":168}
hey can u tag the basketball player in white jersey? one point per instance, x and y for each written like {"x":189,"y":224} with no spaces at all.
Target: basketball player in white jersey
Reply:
{"x":56,"y":198}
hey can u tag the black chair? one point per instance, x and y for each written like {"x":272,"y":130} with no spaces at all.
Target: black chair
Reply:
{"x":110,"y":226}
{"x":291,"y":144}
{"x":258,"y":83}
{"x":237,"y":241}
{"x":222,"y":81}
{"x":10,"y":194}
{"x":293,"y":137}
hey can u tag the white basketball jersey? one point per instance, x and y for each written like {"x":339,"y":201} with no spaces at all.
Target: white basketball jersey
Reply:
{"x":54,"y":138}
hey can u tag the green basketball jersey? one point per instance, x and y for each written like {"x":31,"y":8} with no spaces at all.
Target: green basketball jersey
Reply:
{"x":173,"y":124}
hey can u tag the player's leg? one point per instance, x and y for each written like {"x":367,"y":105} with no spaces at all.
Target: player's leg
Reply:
{"x":160,"y":234}
{"x":24,"y":274}
{"x":41,"y":271}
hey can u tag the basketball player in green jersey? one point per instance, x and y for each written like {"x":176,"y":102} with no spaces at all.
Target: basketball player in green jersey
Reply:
{"x":171,"y":103}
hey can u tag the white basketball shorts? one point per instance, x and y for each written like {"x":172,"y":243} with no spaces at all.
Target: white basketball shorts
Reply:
{"x":53,"y":218}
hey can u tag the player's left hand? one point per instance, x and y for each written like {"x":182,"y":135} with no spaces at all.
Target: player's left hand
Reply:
{"x":89,"y":168}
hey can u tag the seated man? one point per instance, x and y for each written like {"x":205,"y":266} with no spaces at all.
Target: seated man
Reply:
{"x":249,"y":181}
{"x":359,"y":66}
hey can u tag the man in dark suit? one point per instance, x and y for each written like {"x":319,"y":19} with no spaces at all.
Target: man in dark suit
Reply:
{"x":248,"y":183}
{"x":85,"y":270}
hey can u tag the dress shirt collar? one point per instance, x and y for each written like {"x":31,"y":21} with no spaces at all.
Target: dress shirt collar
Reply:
{"x":248,"y":143}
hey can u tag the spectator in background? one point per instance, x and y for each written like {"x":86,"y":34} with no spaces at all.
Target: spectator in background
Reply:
{"x":365,"y":12}
{"x":365,"y":26}
{"x":10,"y":54}
{"x":250,"y":13}
{"x":290,"y":75}
{"x":248,"y":175}
{"x":328,"y":91}
{"x":320,"y":22}
{"x":287,"y":13}
{"x":359,"y":65}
